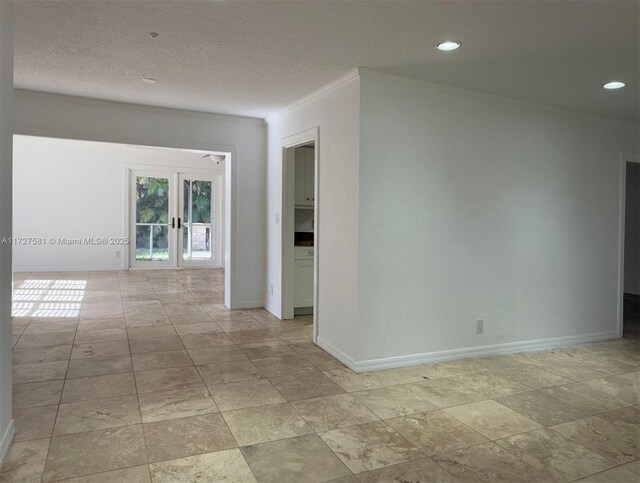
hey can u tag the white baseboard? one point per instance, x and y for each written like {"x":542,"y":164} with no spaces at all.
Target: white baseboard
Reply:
{"x":453,"y":354}
{"x":97,"y":268}
{"x":272,"y":310}
{"x":67,"y":268}
{"x":251,"y":304}
{"x":7,"y":439}
{"x":481,"y":351}
{"x":337,"y":353}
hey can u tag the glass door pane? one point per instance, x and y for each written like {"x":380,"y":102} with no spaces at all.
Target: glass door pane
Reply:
{"x":152,"y":228}
{"x":197,"y":220}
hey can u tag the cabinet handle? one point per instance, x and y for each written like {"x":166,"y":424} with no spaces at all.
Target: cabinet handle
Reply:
{"x":179,"y":225}
{"x":173,"y":222}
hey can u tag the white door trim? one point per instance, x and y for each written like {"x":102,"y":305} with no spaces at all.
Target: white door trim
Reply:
{"x":624,"y":159}
{"x":288,"y":211}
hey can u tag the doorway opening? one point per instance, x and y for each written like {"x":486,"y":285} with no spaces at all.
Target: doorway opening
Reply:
{"x":300,"y":223}
{"x":72,"y":199}
{"x":631,"y":262}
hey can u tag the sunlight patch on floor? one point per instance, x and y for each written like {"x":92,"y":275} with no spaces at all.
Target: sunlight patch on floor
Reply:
{"x":48,"y":298}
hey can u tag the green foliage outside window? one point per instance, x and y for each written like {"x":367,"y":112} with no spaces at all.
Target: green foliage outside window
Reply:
{"x":152,"y":200}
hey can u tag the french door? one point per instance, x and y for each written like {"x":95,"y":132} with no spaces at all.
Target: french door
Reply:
{"x":173,"y":220}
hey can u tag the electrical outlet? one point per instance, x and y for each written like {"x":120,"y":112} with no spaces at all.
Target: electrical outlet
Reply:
{"x":277,"y":217}
{"x":271,"y":289}
{"x":117,"y":253}
{"x":479,"y":326}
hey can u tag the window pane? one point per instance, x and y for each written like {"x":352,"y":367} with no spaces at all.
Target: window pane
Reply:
{"x":152,"y":200}
{"x":197,"y":235}
{"x":148,"y":248}
{"x":152,"y":217}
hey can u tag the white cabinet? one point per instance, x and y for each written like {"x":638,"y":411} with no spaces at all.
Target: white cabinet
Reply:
{"x":303,"y":277}
{"x":305,"y":177}
{"x":303,"y":268}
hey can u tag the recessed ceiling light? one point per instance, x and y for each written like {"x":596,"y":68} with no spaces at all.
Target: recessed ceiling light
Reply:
{"x":149,"y":80}
{"x":614,"y":85}
{"x":448,"y":45}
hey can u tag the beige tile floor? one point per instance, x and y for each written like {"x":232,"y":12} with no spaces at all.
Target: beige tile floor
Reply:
{"x":145,"y":376}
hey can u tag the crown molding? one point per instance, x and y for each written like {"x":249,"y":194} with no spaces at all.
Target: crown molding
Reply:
{"x":349,"y":76}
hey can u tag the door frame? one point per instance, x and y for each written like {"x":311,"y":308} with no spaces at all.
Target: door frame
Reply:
{"x":223,"y":212}
{"x":287,"y":176}
{"x":624,"y":159}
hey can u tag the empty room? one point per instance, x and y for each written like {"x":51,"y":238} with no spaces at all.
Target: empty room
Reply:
{"x":344,"y":241}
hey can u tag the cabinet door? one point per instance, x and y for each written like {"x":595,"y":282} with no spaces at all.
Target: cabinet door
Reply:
{"x":300,"y":188}
{"x":310,"y":176}
{"x":303,"y":283}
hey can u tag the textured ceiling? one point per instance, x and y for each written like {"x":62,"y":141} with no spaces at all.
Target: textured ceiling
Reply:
{"x":255,"y":57}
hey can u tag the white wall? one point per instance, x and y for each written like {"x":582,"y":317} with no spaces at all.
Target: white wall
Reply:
{"x":6,"y":95}
{"x":73,"y":189}
{"x":632,"y":230}
{"x":475,"y":207}
{"x":335,"y":112}
{"x":57,"y":116}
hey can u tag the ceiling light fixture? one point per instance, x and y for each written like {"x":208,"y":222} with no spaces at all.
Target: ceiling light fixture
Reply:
{"x":149,"y":80}
{"x":448,"y":45}
{"x":614,"y":85}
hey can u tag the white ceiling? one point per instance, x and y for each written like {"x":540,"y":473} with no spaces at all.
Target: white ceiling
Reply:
{"x":255,"y":57}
